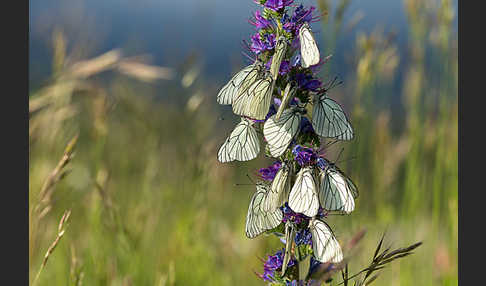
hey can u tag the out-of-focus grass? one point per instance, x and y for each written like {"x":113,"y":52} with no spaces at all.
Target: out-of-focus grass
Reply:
{"x":150,"y":204}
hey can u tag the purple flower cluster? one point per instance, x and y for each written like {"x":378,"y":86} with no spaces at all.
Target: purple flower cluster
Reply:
{"x":322,"y":163}
{"x":260,"y":22}
{"x":274,"y":4}
{"x":303,"y":237}
{"x":322,"y":213}
{"x":303,"y":155}
{"x":291,"y":24}
{"x":285,"y":66}
{"x":274,"y":263}
{"x":306,"y":126}
{"x":307,"y":82}
{"x":263,"y":43}
{"x":290,"y":215}
{"x":269,"y":173}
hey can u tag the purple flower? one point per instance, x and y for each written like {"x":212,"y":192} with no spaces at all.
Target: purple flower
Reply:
{"x":258,"y":45}
{"x":276,"y":4}
{"x":284,"y":66}
{"x":322,"y":213}
{"x":260,"y":22}
{"x":306,"y":126}
{"x":322,"y":163}
{"x":269,"y":173}
{"x":299,"y":16}
{"x":303,"y":155}
{"x":274,"y":263}
{"x":303,"y":237}
{"x":307,"y":82}
{"x":290,"y":215}
{"x":302,"y":15}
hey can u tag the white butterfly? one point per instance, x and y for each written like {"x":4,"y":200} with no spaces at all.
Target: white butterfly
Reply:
{"x":242,"y":144}
{"x":287,"y":97}
{"x":336,"y":192}
{"x":280,"y":49}
{"x":308,"y":47}
{"x":255,"y":94}
{"x":258,"y":220}
{"x":279,"y":189}
{"x":289,"y":238}
{"x":279,"y":133}
{"x":329,"y":119}
{"x":303,"y":196}
{"x":324,"y":244}
{"x":230,"y":90}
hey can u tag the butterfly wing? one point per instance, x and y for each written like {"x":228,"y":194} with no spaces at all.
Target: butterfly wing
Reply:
{"x":258,"y":220}
{"x":337,"y":192}
{"x":303,"y":196}
{"x":242,"y":99}
{"x":278,"y":56}
{"x":324,"y":244}
{"x":230,"y":90}
{"x":279,"y":189}
{"x":289,"y":238}
{"x":279,"y":133}
{"x":288,"y":95}
{"x":308,"y":47}
{"x":260,"y":98}
{"x":241,"y":145}
{"x":329,"y":119}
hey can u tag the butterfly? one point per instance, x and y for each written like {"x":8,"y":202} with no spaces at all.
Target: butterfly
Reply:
{"x":241,"y":145}
{"x":258,"y":220}
{"x":336,"y":191}
{"x":229,"y":90}
{"x":254,"y":95}
{"x":303,"y":196}
{"x":324,"y":244}
{"x":287,"y":96}
{"x":279,"y":133}
{"x":289,"y":238}
{"x":308,"y":47}
{"x":280,"y":188}
{"x":329,"y":119}
{"x":280,"y":49}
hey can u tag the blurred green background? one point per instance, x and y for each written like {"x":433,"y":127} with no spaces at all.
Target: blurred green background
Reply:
{"x":151,"y":205}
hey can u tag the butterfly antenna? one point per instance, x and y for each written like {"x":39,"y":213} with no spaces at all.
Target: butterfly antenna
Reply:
{"x":348,"y":159}
{"x":251,"y":180}
{"x":339,"y":155}
{"x":327,"y":145}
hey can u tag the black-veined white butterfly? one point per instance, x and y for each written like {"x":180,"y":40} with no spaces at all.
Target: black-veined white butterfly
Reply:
{"x":254,"y":94}
{"x":280,"y":188}
{"x":336,"y":191}
{"x":258,"y":220}
{"x":287,"y":97}
{"x":280,"y":49}
{"x":329,"y":119}
{"x":279,"y":133}
{"x":303,"y":196}
{"x":289,"y":238}
{"x":230,"y":90}
{"x":308,"y":47}
{"x":242,"y":144}
{"x":324,"y":244}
